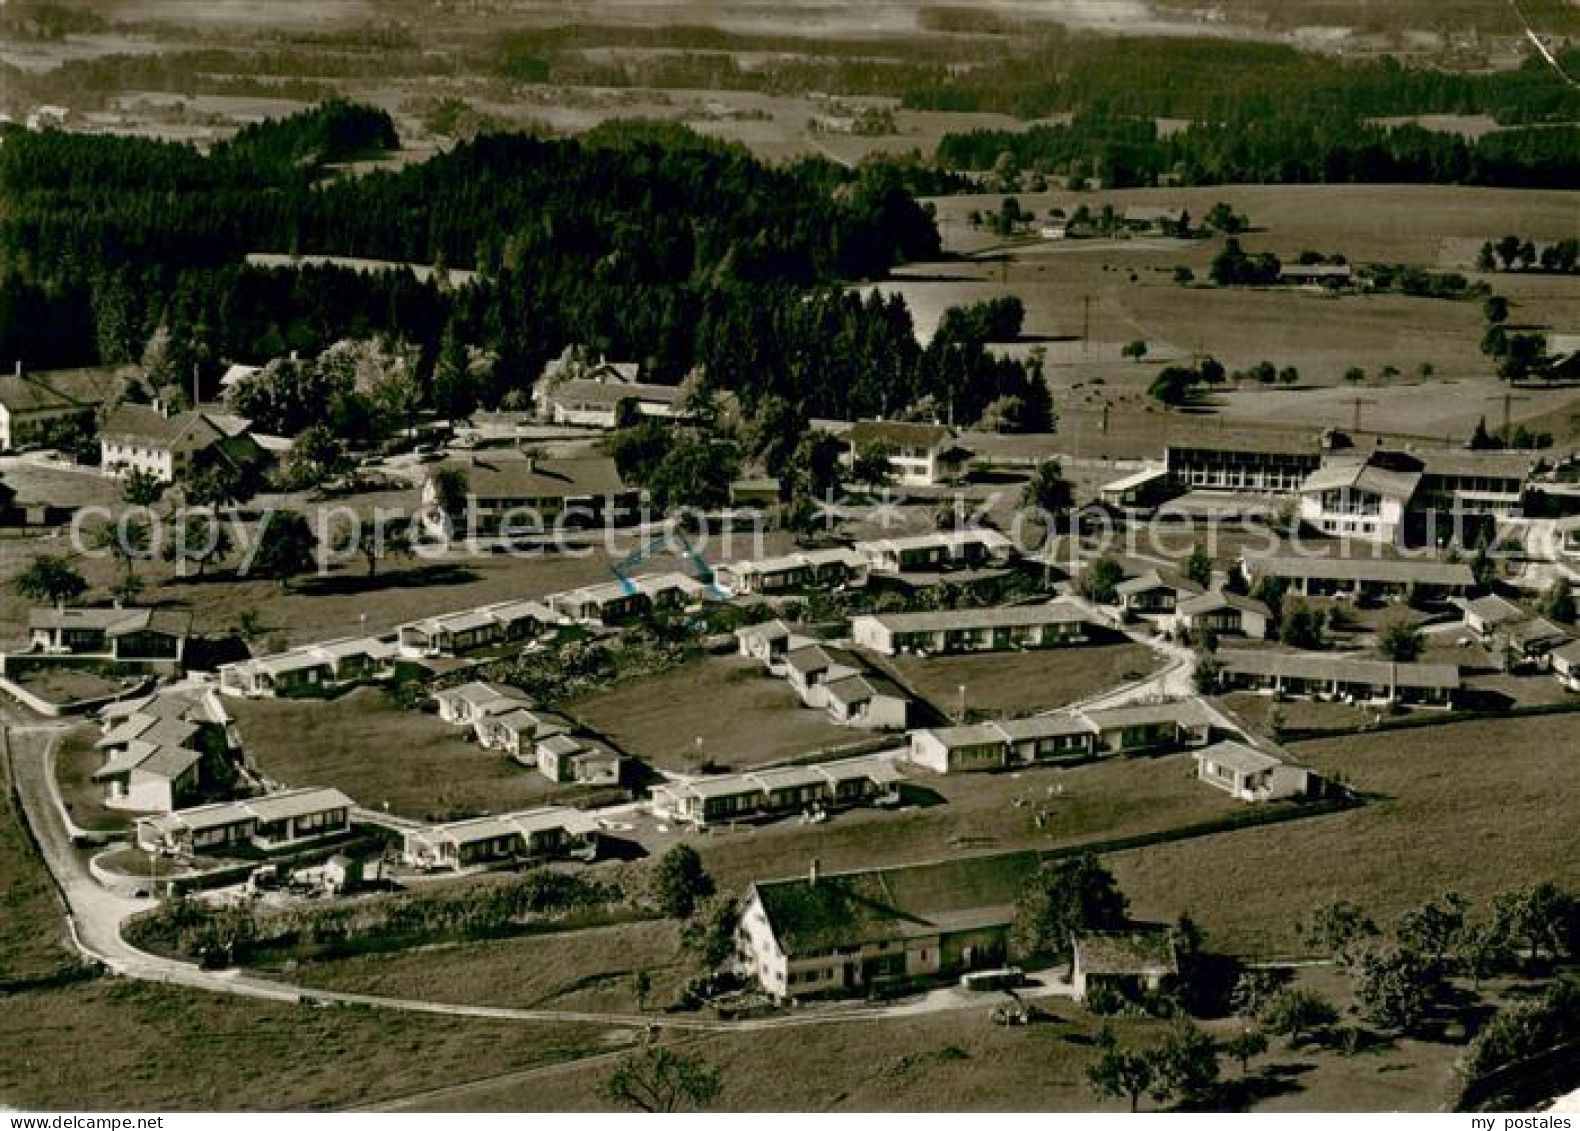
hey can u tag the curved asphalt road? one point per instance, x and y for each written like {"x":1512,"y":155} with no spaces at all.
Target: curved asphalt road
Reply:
{"x":94,"y":917}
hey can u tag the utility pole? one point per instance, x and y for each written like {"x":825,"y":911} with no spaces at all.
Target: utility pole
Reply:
{"x":1086,"y":324}
{"x":1358,"y":402}
{"x":1508,"y":398}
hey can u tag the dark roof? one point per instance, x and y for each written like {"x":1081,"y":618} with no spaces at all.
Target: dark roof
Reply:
{"x":150,"y":426}
{"x":1211,"y":602}
{"x":821,"y":657}
{"x":518,"y":477}
{"x":1126,"y":952}
{"x":586,"y":391}
{"x":894,"y":903}
{"x":62,"y":388}
{"x":899,"y":434}
{"x":1398,"y":571}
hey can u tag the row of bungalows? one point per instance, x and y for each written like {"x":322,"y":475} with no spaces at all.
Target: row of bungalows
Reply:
{"x":818,"y":788}
{"x":931,"y":553}
{"x":1522,"y":637}
{"x":1061,"y":737}
{"x":842,"y":684}
{"x":1054,"y":624}
{"x":1320,"y":676}
{"x":311,"y":669}
{"x":165,"y":750}
{"x":152,"y":640}
{"x":1363,"y":578}
{"x":452,"y":634}
{"x":549,"y":833}
{"x":804,"y":570}
{"x":611,"y":602}
{"x":274,"y":822}
{"x":503,"y":719}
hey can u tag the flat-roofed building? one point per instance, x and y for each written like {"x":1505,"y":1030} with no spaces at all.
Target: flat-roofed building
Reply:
{"x":548,"y":833}
{"x":952,"y":549}
{"x":272,"y":822}
{"x":1049,"y":625}
{"x":1325,"y":676}
{"x":1363,"y":578}
{"x":820,"y":787}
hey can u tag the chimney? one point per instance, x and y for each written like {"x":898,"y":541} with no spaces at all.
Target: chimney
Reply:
{"x":812,"y":872}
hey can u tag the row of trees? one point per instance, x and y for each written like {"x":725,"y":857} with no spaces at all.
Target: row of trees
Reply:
{"x":1294,"y":146}
{"x":1511,"y":252}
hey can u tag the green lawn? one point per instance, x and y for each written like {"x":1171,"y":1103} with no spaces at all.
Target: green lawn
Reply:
{"x":723,"y":710}
{"x":1476,"y":807}
{"x":32,"y":924}
{"x":593,"y":969}
{"x":961,"y":1061}
{"x":365,"y":745}
{"x":1021,"y":683}
{"x":968,"y":813}
{"x":157,"y":1047}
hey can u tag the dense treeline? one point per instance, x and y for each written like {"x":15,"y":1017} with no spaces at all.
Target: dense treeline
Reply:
{"x":642,"y":242}
{"x":1298,"y":149}
{"x":638,"y":212}
{"x":1210,"y":80}
{"x":1040,"y":71}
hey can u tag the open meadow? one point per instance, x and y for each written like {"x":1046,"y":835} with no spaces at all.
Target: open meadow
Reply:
{"x":1009,"y":684}
{"x":409,"y":762}
{"x":725,"y":712}
{"x":961,"y":1061}
{"x":33,"y":942}
{"x":1117,"y":291}
{"x":176,"y":1049}
{"x":1474,"y":807}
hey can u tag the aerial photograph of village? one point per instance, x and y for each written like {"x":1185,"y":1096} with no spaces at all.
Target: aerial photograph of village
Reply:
{"x":803,"y":556}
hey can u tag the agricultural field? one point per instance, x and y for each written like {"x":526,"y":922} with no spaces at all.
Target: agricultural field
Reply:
{"x":176,"y":1049}
{"x":1473,"y":807}
{"x":409,"y":762}
{"x":1021,"y":683}
{"x":724,"y":712}
{"x":1124,"y":290}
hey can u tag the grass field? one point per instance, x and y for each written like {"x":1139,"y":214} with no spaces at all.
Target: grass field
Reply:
{"x":724,"y":711}
{"x":362,"y":743}
{"x":1019,"y":683}
{"x":976,"y":813}
{"x":32,"y":941}
{"x":1476,"y":807}
{"x":1124,"y":290}
{"x":961,"y":1061}
{"x":582,"y":970}
{"x":164,"y":1048}
{"x":344,"y":600}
